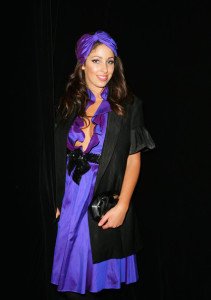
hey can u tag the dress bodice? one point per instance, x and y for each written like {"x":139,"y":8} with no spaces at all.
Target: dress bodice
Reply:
{"x":99,"y":120}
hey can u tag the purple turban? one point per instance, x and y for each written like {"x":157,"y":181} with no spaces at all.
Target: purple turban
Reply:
{"x":86,"y":42}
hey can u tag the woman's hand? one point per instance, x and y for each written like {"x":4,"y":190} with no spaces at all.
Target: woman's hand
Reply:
{"x":114,"y":217}
{"x":57,"y":213}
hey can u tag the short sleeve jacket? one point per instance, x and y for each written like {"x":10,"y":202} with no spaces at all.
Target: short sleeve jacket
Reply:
{"x":125,"y":135}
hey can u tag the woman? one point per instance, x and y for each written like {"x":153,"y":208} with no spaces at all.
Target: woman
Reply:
{"x":97,"y":117}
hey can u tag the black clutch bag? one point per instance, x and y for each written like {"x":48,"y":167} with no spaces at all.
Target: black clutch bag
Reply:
{"x":101,"y":204}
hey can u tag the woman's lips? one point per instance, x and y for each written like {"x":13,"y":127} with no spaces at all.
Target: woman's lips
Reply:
{"x":102,"y":77}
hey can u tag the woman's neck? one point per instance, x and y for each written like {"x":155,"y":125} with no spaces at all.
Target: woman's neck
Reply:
{"x":97,"y":93}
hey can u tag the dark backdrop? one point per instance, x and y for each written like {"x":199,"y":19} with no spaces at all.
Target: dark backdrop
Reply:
{"x":164,"y":48}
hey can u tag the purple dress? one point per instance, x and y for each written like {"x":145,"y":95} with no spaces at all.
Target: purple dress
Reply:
{"x":73,"y":269}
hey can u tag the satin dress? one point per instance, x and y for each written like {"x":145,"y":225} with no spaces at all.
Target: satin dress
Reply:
{"x":73,"y":269}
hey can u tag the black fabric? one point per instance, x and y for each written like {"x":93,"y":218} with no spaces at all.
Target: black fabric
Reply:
{"x":126,"y":239}
{"x":102,"y":203}
{"x":140,"y":138}
{"x":80,"y":163}
{"x":60,"y":144}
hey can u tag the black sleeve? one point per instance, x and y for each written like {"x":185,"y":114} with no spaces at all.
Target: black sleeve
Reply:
{"x":140,"y":139}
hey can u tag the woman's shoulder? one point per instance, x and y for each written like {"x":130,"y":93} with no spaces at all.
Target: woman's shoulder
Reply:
{"x":61,"y":118}
{"x":134,"y":103}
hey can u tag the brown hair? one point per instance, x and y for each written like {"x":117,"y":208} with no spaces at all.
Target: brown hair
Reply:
{"x":76,"y":90}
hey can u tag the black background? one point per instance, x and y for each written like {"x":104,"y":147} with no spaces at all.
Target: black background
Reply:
{"x":164,"y":49}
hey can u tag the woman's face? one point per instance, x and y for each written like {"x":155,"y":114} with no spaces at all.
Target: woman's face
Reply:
{"x":99,"y":67}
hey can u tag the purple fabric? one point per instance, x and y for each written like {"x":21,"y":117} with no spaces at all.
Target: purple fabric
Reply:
{"x":73,"y":269}
{"x":86,"y":42}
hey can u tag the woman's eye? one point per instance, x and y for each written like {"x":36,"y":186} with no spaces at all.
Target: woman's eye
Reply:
{"x":110,"y":62}
{"x":96,"y":61}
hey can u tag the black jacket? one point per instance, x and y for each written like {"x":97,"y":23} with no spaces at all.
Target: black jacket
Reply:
{"x":125,"y":135}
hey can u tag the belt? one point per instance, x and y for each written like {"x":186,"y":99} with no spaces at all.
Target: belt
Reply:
{"x":80,"y":161}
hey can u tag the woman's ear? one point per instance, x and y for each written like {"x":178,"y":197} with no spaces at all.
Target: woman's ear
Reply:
{"x":83,"y":67}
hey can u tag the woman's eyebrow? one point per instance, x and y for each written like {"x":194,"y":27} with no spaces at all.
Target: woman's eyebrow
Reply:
{"x":101,"y":56}
{"x":96,"y":56}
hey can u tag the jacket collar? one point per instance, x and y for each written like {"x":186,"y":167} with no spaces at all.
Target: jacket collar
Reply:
{"x":112,"y":131}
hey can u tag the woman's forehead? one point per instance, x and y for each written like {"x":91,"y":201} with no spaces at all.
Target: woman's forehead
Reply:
{"x":102,"y":51}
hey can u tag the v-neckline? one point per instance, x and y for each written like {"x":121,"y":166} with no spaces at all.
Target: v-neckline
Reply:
{"x":84,"y":135}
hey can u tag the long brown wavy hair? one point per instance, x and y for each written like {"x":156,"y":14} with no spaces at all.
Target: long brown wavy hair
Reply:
{"x":76,"y":91}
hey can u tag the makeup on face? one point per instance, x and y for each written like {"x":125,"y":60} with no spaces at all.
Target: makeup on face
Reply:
{"x":99,"y":67}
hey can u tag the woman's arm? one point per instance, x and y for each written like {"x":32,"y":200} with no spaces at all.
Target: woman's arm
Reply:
{"x":57,"y":213}
{"x":115,"y":216}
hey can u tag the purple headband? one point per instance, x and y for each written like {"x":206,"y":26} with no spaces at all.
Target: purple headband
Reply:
{"x":86,"y":42}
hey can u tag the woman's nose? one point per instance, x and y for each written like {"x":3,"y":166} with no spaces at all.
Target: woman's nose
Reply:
{"x":104,"y":67}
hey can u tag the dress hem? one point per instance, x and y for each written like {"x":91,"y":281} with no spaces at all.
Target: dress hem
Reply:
{"x":96,"y":291}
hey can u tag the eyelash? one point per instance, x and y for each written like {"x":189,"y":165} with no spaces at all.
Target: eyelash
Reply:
{"x":97,"y":61}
